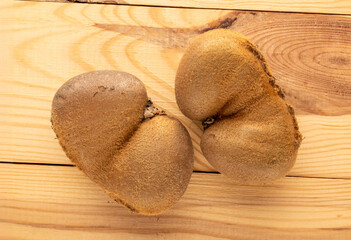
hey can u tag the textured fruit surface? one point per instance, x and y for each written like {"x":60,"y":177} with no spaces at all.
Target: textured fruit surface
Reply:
{"x":223,"y":77}
{"x":144,"y":164}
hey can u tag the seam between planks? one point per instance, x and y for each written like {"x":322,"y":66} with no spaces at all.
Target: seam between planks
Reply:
{"x":203,"y":172}
{"x":184,"y":7}
{"x":42,"y":164}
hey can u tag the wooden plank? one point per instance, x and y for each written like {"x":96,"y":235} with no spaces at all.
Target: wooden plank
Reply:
{"x":309,"y":6}
{"x":325,"y":151}
{"x":50,"y":202}
{"x":45,"y":44}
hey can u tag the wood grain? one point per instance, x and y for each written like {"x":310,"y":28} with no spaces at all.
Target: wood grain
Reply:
{"x":50,"y":202}
{"x":44,"y":44}
{"x":310,"y":6}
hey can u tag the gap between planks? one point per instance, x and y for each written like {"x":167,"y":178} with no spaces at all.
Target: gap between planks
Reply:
{"x":194,"y":171}
{"x":283,"y":9}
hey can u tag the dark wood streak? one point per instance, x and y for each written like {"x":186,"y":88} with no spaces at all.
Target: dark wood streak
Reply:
{"x":226,"y":21}
{"x":170,"y":37}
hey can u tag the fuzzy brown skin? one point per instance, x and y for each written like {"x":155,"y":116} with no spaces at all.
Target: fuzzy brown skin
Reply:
{"x":144,"y":164}
{"x":254,"y":138}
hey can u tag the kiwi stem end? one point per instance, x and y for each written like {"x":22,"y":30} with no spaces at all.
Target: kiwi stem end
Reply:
{"x":151,"y":111}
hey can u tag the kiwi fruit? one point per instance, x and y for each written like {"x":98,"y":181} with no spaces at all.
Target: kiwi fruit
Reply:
{"x":251,"y":134}
{"x":109,"y":128}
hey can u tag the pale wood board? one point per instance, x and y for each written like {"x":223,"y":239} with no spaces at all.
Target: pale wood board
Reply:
{"x":57,"y":202}
{"x":310,"y":6}
{"x":45,"y":44}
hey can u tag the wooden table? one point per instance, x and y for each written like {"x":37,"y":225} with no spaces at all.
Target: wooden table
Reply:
{"x":44,"y":196}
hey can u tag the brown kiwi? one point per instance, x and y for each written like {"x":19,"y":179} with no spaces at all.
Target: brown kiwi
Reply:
{"x":251,"y":134}
{"x":107,"y":126}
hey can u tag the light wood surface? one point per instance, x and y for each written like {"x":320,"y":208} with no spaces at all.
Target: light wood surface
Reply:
{"x":57,"y":202}
{"x":311,"y":6}
{"x":45,"y":44}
